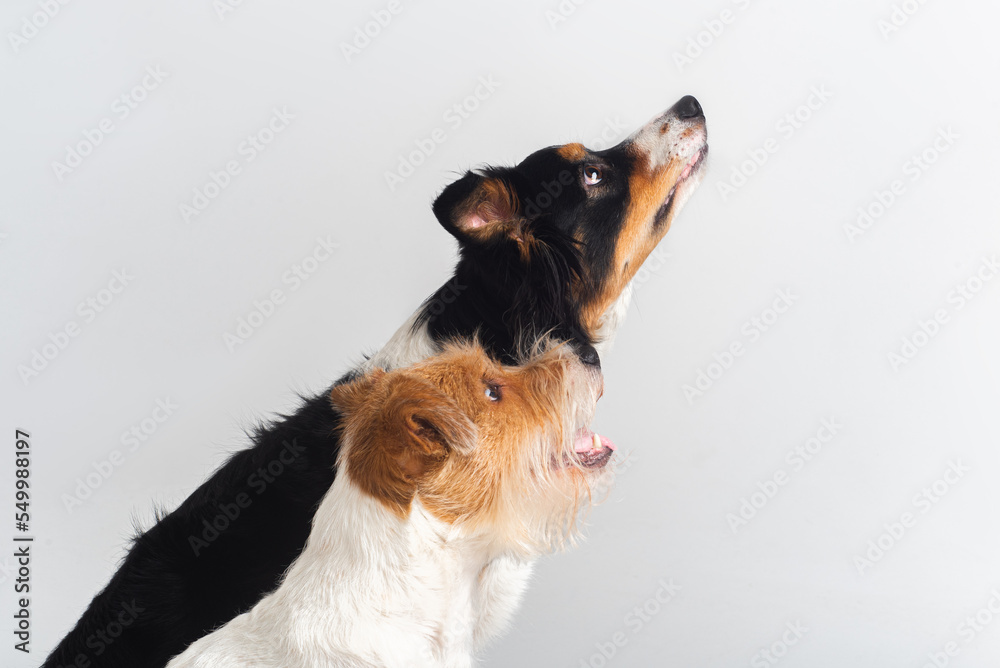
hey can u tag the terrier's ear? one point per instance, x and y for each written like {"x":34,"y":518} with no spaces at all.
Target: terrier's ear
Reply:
{"x":477,"y":208}
{"x":398,"y":429}
{"x":430,"y":426}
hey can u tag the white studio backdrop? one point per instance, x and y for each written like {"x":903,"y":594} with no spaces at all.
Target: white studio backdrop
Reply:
{"x":826,"y":497}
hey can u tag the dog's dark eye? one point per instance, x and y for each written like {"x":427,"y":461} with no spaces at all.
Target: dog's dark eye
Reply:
{"x":493,"y":392}
{"x":592,"y":175}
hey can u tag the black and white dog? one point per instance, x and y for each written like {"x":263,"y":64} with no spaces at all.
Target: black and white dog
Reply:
{"x":548,"y":248}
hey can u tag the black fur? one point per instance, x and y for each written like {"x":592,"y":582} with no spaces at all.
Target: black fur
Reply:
{"x":510,"y":300}
{"x":164,"y":596}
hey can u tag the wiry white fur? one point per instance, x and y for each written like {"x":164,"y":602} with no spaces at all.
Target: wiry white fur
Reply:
{"x":370,"y":589}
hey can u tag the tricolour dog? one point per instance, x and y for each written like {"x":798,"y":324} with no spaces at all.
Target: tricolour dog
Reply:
{"x":444,"y":467}
{"x":548,"y":247}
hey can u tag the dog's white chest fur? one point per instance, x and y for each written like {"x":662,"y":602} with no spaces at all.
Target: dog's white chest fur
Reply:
{"x":371,"y":589}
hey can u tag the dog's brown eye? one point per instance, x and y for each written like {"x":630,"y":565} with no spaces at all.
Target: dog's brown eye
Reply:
{"x":592,"y":175}
{"x":493,"y":392}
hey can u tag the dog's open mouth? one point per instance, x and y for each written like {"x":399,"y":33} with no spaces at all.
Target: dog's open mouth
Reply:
{"x":692,"y":167}
{"x":592,"y":450}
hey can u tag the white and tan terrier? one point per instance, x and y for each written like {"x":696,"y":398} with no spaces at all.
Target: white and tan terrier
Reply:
{"x":453,"y":474}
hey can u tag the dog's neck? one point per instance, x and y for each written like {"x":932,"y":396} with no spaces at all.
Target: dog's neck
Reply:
{"x":414,"y":341}
{"x":394,"y":591}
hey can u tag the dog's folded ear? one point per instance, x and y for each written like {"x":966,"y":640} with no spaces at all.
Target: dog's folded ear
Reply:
{"x":481,"y":207}
{"x":398,"y":428}
{"x":429,"y":424}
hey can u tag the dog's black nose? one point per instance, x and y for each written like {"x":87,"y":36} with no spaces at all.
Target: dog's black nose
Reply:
{"x":687,"y":107}
{"x":588,"y":355}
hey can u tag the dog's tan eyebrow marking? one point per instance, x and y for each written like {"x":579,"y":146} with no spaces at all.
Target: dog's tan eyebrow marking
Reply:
{"x":573,"y":152}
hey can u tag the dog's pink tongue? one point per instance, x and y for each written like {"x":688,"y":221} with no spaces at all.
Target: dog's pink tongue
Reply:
{"x":587,"y":441}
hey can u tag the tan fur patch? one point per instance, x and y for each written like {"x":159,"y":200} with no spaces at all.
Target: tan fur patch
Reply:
{"x":468,"y":486}
{"x":648,"y":190}
{"x":401,"y":429}
{"x":573,"y":152}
